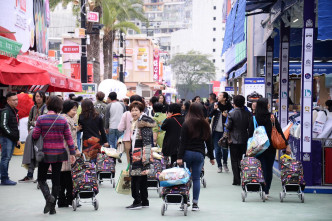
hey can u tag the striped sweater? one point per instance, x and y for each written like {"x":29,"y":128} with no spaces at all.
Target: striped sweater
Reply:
{"x":54,"y":148}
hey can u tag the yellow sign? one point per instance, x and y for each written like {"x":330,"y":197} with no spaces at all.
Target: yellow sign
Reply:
{"x":79,"y":32}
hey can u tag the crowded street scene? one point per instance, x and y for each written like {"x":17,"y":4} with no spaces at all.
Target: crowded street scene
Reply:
{"x":156,"y":109}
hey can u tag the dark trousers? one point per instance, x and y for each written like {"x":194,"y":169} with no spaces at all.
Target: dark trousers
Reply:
{"x":56,"y":170}
{"x":237,"y":151}
{"x":66,"y":189}
{"x":220,"y":152}
{"x":139,"y":189}
{"x":267,"y":160}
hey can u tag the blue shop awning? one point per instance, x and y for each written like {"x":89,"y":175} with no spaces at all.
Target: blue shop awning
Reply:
{"x":237,"y":73}
{"x":320,"y":68}
{"x":324,"y":20}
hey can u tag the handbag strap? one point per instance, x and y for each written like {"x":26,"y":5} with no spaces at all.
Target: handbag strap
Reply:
{"x":273,"y":121}
{"x":255,"y":122}
{"x":51,"y":125}
{"x":177,"y":121}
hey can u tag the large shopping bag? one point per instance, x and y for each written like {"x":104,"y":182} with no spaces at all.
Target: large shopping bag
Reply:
{"x":174,"y":176}
{"x":259,"y":142}
{"x":124,"y":183}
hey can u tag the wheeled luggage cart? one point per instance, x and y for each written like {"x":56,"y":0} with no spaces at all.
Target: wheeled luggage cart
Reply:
{"x":85,"y":195}
{"x":105,"y":168}
{"x":253,"y":188}
{"x":291,"y":189}
{"x":176,"y":198}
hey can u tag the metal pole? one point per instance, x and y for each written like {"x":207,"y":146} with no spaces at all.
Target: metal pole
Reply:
{"x":121,"y":78}
{"x":84,"y":59}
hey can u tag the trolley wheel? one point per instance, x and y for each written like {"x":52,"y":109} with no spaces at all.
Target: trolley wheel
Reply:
{"x":204,"y":182}
{"x":281,"y":197}
{"x":243,"y":195}
{"x":96,"y":204}
{"x":113,"y":182}
{"x":185,"y":209}
{"x":163,"y":208}
{"x":99,"y":181}
{"x":302,"y":197}
{"x":74,"y":204}
{"x":263,"y":196}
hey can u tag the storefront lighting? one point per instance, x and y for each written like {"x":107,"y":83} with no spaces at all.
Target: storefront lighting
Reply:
{"x":295,"y":20}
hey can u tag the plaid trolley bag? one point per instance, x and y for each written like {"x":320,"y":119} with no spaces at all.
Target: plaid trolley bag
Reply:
{"x":252,"y":177}
{"x":292,"y":179}
{"x":105,"y":168}
{"x":85,"y":183}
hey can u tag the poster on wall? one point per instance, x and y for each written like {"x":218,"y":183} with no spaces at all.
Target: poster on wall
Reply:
{"x":142,"y":59}
{"x":254,"y":88}
{"x":40,"y":18}
{"x":75,"y":71}
{"x":90,"y":72}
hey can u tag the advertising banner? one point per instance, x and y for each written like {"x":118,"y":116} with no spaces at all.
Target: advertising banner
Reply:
{"x":254,"y":87}
{"x":142,"y":59}
{"x":229,"y":90}
{"x":89,"y":90}
{"x":75,"y":71}
{"x":156,"y":64}
{"x":90,"y":73}
{"x":115,"y":67}
{"x":269,"y":72}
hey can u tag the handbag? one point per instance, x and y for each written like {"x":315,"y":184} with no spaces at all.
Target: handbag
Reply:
{"x":277,"y":140}
{"x":124,"y":183}
{"x":39,"y":144}
{"x":259,"y":142}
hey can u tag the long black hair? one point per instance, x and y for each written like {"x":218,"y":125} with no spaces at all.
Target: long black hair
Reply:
{"x":88,"y":109}
{"x":198,"y":127}
{"x":262,"y":112}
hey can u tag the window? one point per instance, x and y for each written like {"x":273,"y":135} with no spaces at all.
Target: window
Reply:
{"x":214,"y":18}
{"x":214,"y":60}
{"x":222,"y":60}
{"x":214,"y":50}
{"x":214,"y":29}
{"x":214,"y":7}
{"x":222,"y":71}
{"x":214,"y":39}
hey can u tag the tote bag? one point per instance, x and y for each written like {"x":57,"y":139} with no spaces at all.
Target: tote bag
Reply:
{"x":259,"y":142}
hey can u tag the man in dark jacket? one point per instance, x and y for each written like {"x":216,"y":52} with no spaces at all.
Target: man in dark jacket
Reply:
{"x":219,"y":114}
{"x":172,"y":125}
{"x":9,"y":136}
{"x":237,"y":125}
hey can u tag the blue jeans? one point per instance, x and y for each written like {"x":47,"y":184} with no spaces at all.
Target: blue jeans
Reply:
{"x":7,"y":146}
{"x":113,"y":136}
{"x":79,"y":136}
{"x":194,"y":162}
{"x":220,"y":152}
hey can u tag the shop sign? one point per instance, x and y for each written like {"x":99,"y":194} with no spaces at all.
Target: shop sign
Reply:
{"x":254,"y":85}
{"x":79,"y":32}
{"x":9,"y":47}
{"x":70,"y":49}
{"x":115,"y":67}
{"x":75,"y":71}
{"x":90,"y":73}
{"x":93,"y":16}
{"x":283,"y":84}
{"x":156,"y":64}
{"x":269,"y":70}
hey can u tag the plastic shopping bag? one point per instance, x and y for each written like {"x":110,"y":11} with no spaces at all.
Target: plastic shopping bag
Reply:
{"x":259,"y":142}
{"x":174,"y":176}
{"x":286,"y":130}
{"x":124,"y":183}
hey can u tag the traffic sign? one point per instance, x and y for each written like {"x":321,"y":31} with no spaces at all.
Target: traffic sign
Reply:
{"x":70,"y":49}
{"x":93,"y":16}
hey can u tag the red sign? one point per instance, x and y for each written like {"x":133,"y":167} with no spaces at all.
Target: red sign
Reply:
{"x":70,"y":49}
{"x":75,"y":71}
{"x":93,"y":17}
{"x":216,"y":87}
{"x":90,"y":73}
{"x":156,"y":64}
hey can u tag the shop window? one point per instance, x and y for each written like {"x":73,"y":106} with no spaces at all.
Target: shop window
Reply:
{"x":214,"y":29}
{"x":214,"y":50}
{"x":214,"y":39}
{"x":214,"y":7}
{"x":214,"y":18}
{"x":214,"y":60}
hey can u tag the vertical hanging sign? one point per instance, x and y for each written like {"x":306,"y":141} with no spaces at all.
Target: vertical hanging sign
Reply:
{"x":269,"y":72}
{"x":90,"y":72}
{"x":156,"y":64}
{"x":283,"y":74}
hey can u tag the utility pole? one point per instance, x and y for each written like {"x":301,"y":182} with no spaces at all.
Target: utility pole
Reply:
{"x":121,"y":78}
{"x":84,"y":59}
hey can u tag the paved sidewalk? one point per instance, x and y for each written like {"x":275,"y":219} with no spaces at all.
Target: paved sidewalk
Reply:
{"x":219,"y":201}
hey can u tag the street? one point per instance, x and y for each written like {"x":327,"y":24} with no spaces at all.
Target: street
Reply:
{"x":220,"y":200}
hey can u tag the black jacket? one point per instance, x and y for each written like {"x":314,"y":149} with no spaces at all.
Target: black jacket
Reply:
{"x":266,"y":122}
{"x":216,"y":114}
{"x":237,"y":125}
{"x":93,"y":128}
{"x":9,"y":123}
{"x":171,"y":142}
{"x":196,"y":144}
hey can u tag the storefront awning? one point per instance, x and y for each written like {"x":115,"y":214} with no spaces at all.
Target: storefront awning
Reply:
{"x":14,"y":72}
{"x":324,"y":20}
{"x":320,"y":68}
{"x":237,"y":73}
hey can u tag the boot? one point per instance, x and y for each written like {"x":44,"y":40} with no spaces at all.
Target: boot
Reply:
{"x":62,"y":201}
{"x":47,"y":195}
{"x":55,"y":193}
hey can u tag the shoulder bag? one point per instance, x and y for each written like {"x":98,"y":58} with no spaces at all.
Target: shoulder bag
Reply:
{"x":277,"y":140}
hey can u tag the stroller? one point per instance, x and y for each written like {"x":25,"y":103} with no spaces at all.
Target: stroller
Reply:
{"x":291,"y":178}
{"x":85,"y":183}
{"x":105,"y":168}
{"x":252,"y":177}
{"x":176,"y":195}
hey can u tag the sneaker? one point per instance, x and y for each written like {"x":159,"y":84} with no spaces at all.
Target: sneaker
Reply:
{"x":226,"y":168}
{"x":219,"y":170}
{"x":26,"y":179}
{"x":8,"y":182}
{"x":195,"y":207}
{"x":134,"y":206}
{"x":145,"y":205}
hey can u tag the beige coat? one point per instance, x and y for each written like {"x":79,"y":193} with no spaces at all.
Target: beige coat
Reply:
{"x":66,"y":165}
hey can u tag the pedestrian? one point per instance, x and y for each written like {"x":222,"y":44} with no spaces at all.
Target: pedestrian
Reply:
{"x":92,"y":126}
{"x":219,"y":115}
{"x":172,"y":127}
{"x":69,"y":111}
{"x":263,"y":118}
{"x":149,"y":109}
{"x":253,"y":107}
{"x":185,"y":108}
{"x":114,"y":112}
{"x":56,"y":129}
{"x":125,"y":126}
{"x":159,"y":117}
{"x":142,"y":138}
{"x":79,"y":111}
{"x":39,"y":98}
{"x":126,"y":103}
{"x":212,"y":100}
{"x":195,"y":137}
{"x":237,"y":126}
{"x":9,"y":135}
{"x":161,"y":99}
{"x":71,"y":97}
{"x":99,"y":105}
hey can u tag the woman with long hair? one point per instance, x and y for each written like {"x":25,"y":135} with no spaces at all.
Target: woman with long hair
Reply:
{"x":54,"y":129}
{"x":263,"y":118}
{"x":161,"y":99}
{"x":92,"y":126}
{"x":195,"y":137}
